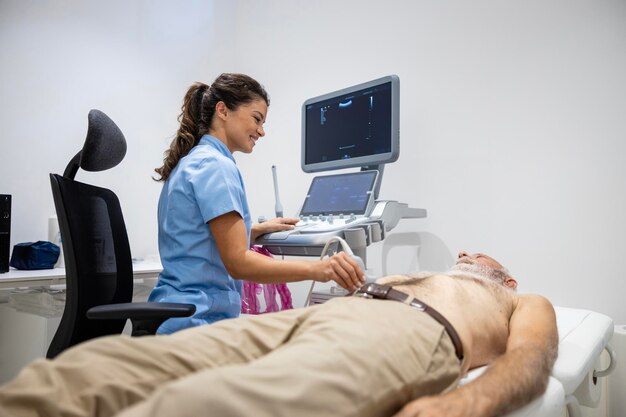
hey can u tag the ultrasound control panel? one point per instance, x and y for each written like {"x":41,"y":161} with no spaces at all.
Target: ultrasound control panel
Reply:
{"x":321,"y":224}
{"x":312,"y":232}
{"x":340,"y":205}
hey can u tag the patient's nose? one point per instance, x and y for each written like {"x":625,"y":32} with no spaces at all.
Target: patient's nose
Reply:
{"x":462,"y":254}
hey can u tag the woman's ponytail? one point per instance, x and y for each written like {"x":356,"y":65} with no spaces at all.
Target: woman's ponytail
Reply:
{"x":188,"y":135}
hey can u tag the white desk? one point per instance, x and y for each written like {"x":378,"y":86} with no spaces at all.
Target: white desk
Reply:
{"x":24,"y":336}
{"x":47,"y":277}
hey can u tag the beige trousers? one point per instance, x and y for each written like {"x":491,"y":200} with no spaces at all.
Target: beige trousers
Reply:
{"x":348,"y":357}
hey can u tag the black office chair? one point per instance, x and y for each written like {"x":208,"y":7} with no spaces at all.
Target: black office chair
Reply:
{"x":98,"y":265}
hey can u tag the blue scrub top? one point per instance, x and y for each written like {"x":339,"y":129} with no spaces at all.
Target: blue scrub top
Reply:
{"x":205,"y":184}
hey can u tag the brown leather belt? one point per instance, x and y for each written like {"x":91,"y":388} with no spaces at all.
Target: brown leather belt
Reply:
{"x":385,"y":292}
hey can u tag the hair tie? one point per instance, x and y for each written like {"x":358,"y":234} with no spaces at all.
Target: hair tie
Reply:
{"x":199,"y":96}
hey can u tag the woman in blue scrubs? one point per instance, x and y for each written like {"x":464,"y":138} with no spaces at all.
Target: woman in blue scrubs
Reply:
{"x":204,"y":222}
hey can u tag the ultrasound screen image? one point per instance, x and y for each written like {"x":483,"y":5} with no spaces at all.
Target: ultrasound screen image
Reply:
{"x":358,"y":124}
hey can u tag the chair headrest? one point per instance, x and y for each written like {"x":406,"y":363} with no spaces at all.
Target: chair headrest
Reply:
{"x":105,"y":145}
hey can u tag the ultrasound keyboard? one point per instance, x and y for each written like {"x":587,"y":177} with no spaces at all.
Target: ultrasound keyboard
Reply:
{"x":312,"y":232}
{"x":320,"y":224}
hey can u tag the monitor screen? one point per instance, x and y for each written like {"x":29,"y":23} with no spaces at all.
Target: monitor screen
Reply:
{"x":340,"y":194}
{"x":356,"y":126}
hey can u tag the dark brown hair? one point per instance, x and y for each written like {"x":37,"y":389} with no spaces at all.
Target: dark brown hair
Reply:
{"x":198,"y":109}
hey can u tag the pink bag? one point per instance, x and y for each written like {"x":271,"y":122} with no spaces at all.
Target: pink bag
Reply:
{"x":251,"y":291}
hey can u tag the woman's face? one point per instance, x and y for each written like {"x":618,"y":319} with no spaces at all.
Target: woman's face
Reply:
{"x":244,"y":126}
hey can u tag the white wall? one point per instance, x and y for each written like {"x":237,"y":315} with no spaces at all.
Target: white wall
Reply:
{"x":512,"y":128}
{"x":131,"y":59}
{"x":513,"y":133}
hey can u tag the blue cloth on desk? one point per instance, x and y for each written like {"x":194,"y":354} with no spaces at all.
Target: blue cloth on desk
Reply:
{"x":35,"y":255}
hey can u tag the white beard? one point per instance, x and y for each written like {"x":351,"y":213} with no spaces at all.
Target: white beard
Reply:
{"x":479,"y":271}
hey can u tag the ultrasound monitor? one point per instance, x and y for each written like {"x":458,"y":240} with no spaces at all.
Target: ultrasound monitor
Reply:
{"x":354,"y":127}
{"x":350,"y":193}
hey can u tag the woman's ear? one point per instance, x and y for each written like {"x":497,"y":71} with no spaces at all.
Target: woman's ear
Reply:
{"x":221,"y":110}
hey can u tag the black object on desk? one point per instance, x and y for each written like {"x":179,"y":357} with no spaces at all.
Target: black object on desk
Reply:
{"x":5,"y":231}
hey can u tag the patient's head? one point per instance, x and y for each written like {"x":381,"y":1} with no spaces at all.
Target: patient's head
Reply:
{"x":479,"y":265}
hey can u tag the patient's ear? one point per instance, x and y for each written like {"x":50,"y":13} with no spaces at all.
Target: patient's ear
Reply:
{"x":510,"y":282}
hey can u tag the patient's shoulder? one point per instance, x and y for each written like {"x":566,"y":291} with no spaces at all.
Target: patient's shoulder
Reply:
{"x":534,"y":313}
{"x":534,"y":301}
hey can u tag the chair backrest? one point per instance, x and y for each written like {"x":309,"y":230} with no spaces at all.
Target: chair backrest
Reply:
{"x":97,"y":255}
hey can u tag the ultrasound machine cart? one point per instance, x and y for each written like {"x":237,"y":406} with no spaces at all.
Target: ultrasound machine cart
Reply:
{"x":354,"y":127}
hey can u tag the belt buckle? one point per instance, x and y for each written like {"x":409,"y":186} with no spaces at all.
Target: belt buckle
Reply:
{"x":374,"y":290}
{"x":417,"y":305}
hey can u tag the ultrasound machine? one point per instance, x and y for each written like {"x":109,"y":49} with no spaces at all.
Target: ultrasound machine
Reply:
{"x":350,"y":128}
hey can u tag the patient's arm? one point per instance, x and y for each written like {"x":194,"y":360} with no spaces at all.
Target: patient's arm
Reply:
{"x":512,"y":380}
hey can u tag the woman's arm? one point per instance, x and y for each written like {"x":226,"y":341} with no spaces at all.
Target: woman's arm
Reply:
{"x":229,"y":231}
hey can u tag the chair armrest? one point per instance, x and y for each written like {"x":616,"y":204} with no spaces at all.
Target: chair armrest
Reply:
{"x":141,"y":311}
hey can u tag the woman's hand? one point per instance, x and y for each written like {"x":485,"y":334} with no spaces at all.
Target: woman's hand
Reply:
{"x":279,"y":224}
{"x":342,"y":269}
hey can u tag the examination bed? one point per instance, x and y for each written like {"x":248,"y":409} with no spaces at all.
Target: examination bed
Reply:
{"x":576,"y":377}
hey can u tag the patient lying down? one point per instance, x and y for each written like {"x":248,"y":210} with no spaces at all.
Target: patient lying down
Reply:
{"x":362,"y":355}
